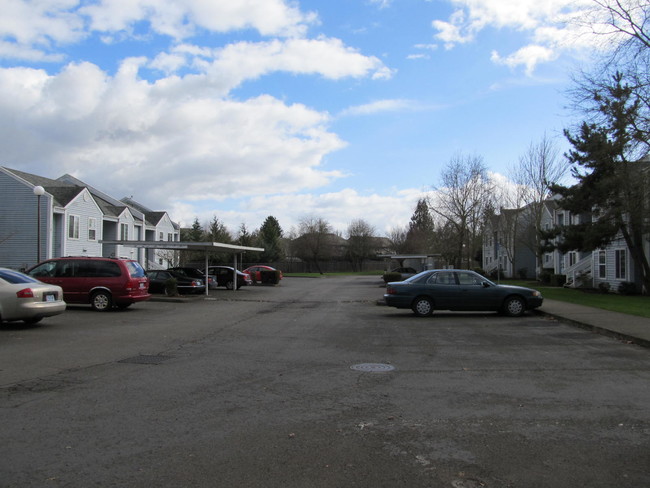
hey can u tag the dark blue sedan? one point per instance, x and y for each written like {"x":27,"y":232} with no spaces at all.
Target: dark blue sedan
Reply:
{"x":458,"y":289}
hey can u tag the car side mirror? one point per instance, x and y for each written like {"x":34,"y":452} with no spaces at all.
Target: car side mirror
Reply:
{"x":485,"y":284}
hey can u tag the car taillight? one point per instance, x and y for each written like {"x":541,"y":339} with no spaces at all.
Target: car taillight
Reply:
{"x":25,"y":293}
{"x":132,"y":285}
{"x":390,"y":291}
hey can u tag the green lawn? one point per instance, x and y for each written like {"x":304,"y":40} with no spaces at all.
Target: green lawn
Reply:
{"x":634,"y":305}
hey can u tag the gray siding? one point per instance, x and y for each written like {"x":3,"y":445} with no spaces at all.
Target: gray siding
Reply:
{"x":18,"y":229}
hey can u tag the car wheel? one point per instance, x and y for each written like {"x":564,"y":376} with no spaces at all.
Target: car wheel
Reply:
{"x":228,"y":285}
{"x":101,"y":301}
{"x":514,"y":306}
{"x":422,"y":306}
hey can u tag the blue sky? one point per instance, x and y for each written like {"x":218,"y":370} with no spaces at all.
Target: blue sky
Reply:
{"x":242,"y":109}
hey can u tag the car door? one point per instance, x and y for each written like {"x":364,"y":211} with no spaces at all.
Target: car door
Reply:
{"x":473,"y":295}
{"x":443,"y":288}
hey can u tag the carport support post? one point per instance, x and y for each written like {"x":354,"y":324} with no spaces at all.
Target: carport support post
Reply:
{"x":207,"y":280}
{"x":234,"y":272}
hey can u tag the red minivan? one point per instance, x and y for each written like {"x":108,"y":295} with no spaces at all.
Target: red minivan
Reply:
{"x":104,"y":283}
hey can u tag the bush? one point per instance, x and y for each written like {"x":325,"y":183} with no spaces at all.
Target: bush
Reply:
{"x":627,"y":288}
{"x":545,"y":276}
{"x":604,"y":287}
{"x":171,"y":287}
{"x":558,"y":280}
{"x":388,"y":277}
{"x":268,"y":277}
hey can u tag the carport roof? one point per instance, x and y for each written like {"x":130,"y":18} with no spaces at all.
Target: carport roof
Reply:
{"x":185,"y":246}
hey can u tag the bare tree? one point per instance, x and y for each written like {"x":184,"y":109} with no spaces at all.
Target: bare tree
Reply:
{"x":461,"y":200}
{"x":623,"y":27}
{"x":313,"y":243}
{"x":398,"y":239}
{"x":538,"y":168}
{"x":361,"y":239}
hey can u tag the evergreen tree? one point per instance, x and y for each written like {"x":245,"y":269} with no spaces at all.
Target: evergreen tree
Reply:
{"x":612,"y":180}
{"x":270,"y":238}
{"x":194,"y":233}
{"x":420,"y":234}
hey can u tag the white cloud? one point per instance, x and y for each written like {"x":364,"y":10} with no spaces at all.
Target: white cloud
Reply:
{"x":160,"y":140}
{"x":180,"y":19}
{"x":388,"y":105}
{"x":551,"y":26}
{"x":528,"y":56}
{"x":338,"y":208}
{"x":34,"y":30}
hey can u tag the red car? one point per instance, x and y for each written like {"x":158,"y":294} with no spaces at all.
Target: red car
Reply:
{"x":256,"y":272}
{"x":103,"y":283}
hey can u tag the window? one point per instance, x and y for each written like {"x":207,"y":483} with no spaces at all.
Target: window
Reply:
{"x":621,"y":264}
{"x":161,"y":236}
{"x":92,"y":229}
{"x":124,"y":231}
{"x":468,"y":278}
{"x":573,"y":258}
{"x":73,"y":227}
{"x":170,"y":237}
{"x":602,"y":264}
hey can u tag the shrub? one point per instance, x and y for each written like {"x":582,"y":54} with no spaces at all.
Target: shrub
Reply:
{"x":627,"y":288}
{"x":558,"y":280}
{"x":171,"y":287}
{"x":545,"y":276}
{"x":604,"y":287}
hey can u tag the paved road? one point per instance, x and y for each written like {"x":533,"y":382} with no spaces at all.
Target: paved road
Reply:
{"x":255,"y":388}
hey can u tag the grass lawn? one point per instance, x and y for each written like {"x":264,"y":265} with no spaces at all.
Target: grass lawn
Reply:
{"x":634,"y":305}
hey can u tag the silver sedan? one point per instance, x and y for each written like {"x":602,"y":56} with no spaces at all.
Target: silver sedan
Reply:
{"x":25,"y":298}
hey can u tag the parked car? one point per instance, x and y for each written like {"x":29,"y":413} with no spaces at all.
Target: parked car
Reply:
{"x":224,"y":276}
{"x":103,"y":283}
{"x":184,"y":284}
{"x":25,"y":298}
{"x":453,"y":289}
{"x":404,"y":273}
{"x":196,"y":274}
{"x":256,"y":272}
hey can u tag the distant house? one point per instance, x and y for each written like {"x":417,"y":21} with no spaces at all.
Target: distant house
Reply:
{"x":508,"y":244}
{"x":74,"y":218}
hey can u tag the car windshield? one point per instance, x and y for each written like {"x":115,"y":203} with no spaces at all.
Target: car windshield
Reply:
{"x":16,"y":277}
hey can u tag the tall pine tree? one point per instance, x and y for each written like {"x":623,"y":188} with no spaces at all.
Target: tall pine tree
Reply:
{"x":610,"y":163}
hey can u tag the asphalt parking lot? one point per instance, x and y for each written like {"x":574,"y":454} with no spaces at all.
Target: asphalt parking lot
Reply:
{"x":311,"y":384}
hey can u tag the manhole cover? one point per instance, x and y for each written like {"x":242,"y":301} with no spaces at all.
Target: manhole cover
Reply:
{"x":145,"y":359}
{"x":373,"y":367}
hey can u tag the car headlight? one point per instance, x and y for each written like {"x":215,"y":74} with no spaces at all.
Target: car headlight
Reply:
{"x":536,"y":293}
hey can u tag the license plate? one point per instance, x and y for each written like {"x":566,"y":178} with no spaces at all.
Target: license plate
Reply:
{"x":50,"y":298}
{"x":142,"y":285}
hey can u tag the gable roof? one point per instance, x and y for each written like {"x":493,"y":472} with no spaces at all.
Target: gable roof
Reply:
{"x":62,"y":192}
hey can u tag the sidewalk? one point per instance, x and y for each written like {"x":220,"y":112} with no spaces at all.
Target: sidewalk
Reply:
{"x":627,"y":327}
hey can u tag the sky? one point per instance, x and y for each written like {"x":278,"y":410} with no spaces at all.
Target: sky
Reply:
{"x":242,"y":109}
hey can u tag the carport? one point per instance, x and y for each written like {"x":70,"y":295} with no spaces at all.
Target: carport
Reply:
{"x":206,"y":247}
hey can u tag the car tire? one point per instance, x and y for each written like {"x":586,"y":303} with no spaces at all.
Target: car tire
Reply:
{"x":422,"y":306}
{"x":514,"y":306}
{"x":101,"y":301}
